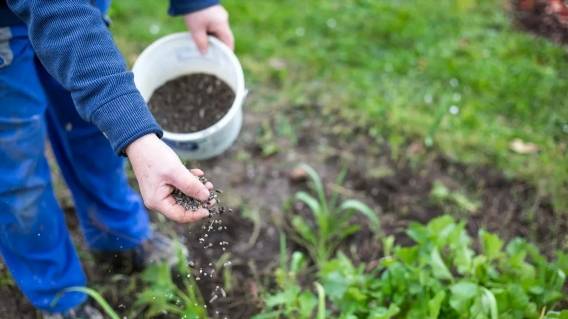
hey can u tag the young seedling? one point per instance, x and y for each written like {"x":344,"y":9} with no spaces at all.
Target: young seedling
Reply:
{"x":292,"y":300}
{"x":331,"y":218}
{"x":162,"y":295}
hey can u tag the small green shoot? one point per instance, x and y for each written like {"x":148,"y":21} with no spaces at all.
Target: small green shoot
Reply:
{"x":163,"y":295}
{"x":331,"y":219}
{"x":93,"y":294}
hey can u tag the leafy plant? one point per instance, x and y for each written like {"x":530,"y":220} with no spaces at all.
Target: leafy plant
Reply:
{"x":291,"y":300}
{"x":163,"y":295}
{"x":331,"y":218}
{"x":442,"y":276}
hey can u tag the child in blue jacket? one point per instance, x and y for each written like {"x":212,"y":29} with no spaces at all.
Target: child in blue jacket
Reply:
{"x":62,"y":78}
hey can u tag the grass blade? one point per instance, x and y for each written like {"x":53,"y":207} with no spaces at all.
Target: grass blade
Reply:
{"x":321,"y":301}
{"x":311,"y":202}
{"x":317,"y":184}
{"x":489,"y":298}
{"x":358,"y":206}
{"x":93,"y":294}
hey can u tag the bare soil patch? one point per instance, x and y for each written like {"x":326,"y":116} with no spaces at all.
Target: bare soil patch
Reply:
{"x":548,"y":18}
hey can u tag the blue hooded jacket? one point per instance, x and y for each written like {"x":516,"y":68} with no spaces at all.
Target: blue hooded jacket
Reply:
{"x":75,"y":46}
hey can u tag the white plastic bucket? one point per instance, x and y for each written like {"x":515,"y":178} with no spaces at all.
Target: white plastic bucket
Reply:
{"x":176,"y":55}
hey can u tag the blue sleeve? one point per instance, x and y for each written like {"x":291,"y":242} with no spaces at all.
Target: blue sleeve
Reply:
{"x":76,"y":48}
{"x":179,"y":7}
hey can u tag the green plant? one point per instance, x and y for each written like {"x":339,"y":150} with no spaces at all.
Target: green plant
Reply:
{"x":5,"y":277}
{"x":267,"y":140}
{"x":442,"y":195}
{"x":555,"y":315}
{"x":291,"y":300}
{"x":331,"y":218}
{"x":162,"y":295}
{"x":440,"y":276}
{"x":350,"y":289}
{"x":93,"y":294}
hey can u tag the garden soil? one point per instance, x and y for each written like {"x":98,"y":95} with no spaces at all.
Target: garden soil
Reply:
{"x":397,"y":187}
{"x":258,"y":185}
{"x":548,"y":18}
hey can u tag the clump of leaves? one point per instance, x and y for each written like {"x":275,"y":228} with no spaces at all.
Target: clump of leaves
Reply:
{"x":442,"y":276}
{"x":292,"y":300}
{"x":331,"y":218}
{"x":162,"y":295}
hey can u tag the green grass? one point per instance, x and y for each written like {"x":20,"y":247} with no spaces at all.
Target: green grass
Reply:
{"x":399,"y":66}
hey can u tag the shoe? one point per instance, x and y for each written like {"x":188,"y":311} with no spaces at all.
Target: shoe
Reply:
{"x":83,"y":311}
{"x":156,"y":249}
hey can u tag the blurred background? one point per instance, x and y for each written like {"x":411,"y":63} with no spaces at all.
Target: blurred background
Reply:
{"x":459,"y":75}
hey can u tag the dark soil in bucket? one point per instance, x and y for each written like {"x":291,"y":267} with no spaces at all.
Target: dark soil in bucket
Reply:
{"x":191,"y":103}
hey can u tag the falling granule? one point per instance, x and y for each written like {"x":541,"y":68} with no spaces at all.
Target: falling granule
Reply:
{"x":209,"y":240}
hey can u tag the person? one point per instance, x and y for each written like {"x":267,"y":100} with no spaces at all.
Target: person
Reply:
{"x":62,"y":77}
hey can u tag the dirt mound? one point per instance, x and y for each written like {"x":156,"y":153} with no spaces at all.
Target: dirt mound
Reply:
{"x":548,"y":18}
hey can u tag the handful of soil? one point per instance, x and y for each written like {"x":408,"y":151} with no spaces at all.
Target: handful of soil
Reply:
{"x":191,"y":102}
{"x":192,"y":204}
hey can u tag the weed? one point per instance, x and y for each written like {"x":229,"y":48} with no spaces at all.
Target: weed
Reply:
{"x":291,"y":300}
{"x":331,"y":218}
{"x":162,"y":295}
{"x":267,"y":140}
{"x":443,"y":196}
{"x":93,"y":294}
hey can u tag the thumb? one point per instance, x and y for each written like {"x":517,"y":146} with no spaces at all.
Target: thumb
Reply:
{"x":190,"y":185}
{"x":200,"y":39}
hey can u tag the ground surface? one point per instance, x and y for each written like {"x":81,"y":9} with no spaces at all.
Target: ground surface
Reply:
{"x":407,"y":108}
{"x":548,"y":18}
{"x":256,"y":177}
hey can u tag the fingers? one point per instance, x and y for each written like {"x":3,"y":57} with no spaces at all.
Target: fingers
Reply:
{"x":200,"y":38}
{"x":175,"y":212}
{"x":197,"y":172}
{"x":189,"y":184}
{"x":224,"y":33}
